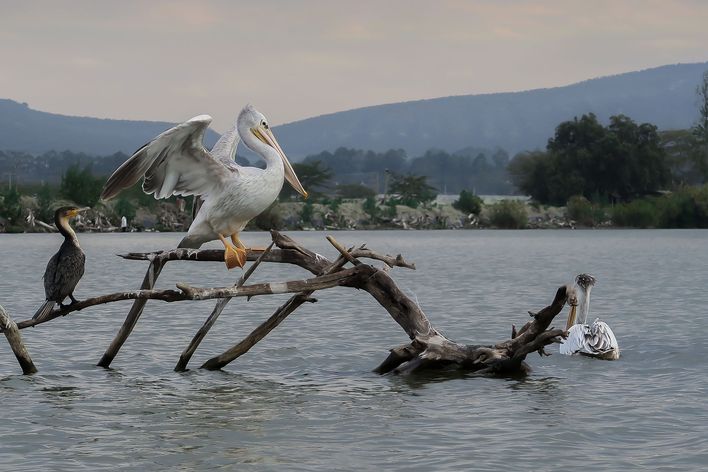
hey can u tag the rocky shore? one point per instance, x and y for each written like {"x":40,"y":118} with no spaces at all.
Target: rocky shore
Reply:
{"x":344,"y":215}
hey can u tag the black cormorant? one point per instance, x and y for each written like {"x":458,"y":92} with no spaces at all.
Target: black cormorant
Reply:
{"x":65,"y":268}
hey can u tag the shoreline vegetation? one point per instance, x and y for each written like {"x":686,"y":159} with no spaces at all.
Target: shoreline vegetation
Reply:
{"x":685,"y":208}
{"x":591,"y":175}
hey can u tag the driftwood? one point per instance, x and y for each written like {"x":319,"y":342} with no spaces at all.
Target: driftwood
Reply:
{"x":15,"y":340}
{"x":427,"y":347}
{"x":220,"y":305}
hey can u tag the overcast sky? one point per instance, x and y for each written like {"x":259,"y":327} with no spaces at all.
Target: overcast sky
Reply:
{"x":170,"y":60}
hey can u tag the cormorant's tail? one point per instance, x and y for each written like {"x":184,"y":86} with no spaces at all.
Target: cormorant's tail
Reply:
{"x":44,"y":310}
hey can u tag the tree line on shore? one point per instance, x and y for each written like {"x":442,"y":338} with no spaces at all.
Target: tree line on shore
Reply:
{"x":623,"y":173}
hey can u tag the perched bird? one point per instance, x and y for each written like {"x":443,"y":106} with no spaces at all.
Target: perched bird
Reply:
{"x":176,"y":163}
{"x":66,"y":267}
{"x":596,"y":340}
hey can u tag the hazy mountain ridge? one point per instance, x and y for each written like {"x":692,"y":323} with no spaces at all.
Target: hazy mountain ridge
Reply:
{"x":26,"y":130}
{"x":514,"y":121}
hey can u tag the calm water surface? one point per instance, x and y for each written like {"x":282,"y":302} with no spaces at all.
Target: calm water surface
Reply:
{"x":305,"y":398}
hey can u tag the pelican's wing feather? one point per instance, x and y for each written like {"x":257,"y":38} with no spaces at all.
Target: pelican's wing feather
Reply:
{"x":174,"y":163}
{"x":225,"y":148}
{"x":597,"y":340}
{"x":601,"y":338}
{"x":575,"y":340}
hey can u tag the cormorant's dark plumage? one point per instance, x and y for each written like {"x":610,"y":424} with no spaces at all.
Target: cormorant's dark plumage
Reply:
{"x":66,"y":267}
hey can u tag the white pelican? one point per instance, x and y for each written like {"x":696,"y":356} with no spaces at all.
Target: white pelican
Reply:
{"x":596,"y":340}
{"x":176,"y":163}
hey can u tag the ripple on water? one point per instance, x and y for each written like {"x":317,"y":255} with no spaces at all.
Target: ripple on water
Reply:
{"x":305,"y":398}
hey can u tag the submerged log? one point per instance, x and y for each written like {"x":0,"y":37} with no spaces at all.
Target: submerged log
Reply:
{"x":427,"y":347}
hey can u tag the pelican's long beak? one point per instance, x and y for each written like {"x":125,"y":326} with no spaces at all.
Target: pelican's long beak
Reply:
{"x":266,"y":135}
{"x":571,"y":317}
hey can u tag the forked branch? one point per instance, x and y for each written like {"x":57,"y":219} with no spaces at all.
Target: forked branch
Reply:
{"x":427,"y":348}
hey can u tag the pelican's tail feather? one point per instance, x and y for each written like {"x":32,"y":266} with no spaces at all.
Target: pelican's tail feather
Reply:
{"x":44,"y":310}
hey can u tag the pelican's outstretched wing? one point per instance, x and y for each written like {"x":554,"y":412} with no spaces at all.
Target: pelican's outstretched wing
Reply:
{"x":225,"y":148}
{"x":174,"y":163}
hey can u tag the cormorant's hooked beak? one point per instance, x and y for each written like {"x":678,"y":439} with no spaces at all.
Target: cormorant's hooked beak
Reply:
{"x":77,"y":211}
{"x":267,"y":137}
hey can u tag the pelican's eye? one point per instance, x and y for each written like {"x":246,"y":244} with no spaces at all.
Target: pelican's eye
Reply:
{"x":265,"y":125}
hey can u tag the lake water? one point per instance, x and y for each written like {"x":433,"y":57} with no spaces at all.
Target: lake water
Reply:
{"x":305,"y":397}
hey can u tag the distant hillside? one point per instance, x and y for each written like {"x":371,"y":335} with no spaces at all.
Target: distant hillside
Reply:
{"x":517,"y":121}
{"x":27,"y":130}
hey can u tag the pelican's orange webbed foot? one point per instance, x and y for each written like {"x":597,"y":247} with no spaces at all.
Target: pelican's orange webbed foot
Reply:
{"x":233,"y":256}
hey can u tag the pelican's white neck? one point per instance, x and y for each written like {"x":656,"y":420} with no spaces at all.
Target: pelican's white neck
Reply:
{"x":269,"y":155}
{"x":584,"y":305}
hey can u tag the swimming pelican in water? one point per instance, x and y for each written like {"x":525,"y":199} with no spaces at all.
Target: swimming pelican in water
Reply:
{"x":176,"y":163}
{"x":596,"y":340}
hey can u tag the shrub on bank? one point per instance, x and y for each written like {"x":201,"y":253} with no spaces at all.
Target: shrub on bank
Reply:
{"x":468,"y":203}
{"x":584,"y":212}
{"x":636,"y":214}
{"x":685,"y":208}
{"x":508,"y":214}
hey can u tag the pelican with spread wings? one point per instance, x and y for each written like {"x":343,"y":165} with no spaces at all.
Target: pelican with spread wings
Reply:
{"x":177,"y":163}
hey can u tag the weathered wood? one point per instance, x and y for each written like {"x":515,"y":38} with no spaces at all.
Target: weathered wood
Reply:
{"x":220,"y":305}
{"x":242,"y":347}
{"x":344,"y":278}
{"x":288,"y":252}
{"x":14,"y":338}
{"x":427,"y":349}
{"x":217,"y":255}
{"x":136,"y":310}
{"x":259,"y":333}
{"x":433,"y":349}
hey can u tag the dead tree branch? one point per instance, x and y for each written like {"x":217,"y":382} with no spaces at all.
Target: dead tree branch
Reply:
{"x":427,"y":348}
{"x":14,"y":339}
{"x":218,"y":308}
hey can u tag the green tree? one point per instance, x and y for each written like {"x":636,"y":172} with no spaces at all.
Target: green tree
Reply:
{"x":411,"y":190}
{"x":10,"y":207}
{"x":700,"y":129}
{"x":620,"y":161}
{"x":80,"y":186}
{"x":468,"y":203}
{"x":701,"y":126}
{"x":45,"y":201}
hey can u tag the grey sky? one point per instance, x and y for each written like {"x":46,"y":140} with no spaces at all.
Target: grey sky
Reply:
{"x":170,"y":60}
